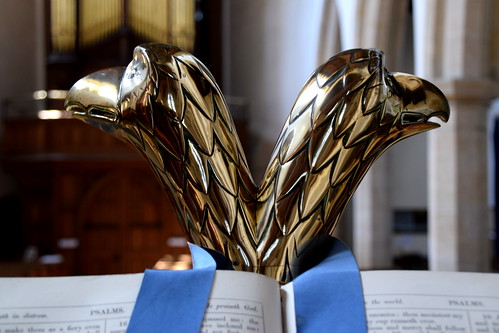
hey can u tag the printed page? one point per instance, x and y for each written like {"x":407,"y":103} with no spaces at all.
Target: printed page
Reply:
{"x":420,"y":301}
{"x":90,"y":304}
{"x":243,"y":302}
{"x":239,"y":302}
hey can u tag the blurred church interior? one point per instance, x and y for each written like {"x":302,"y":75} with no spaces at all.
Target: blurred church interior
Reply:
{"x":75,"y":201}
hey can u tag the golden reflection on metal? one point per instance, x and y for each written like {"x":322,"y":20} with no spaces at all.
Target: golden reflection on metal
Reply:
{"x":168,"y":106}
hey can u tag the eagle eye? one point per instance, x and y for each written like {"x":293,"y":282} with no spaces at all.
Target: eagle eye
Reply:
{"x":392,"y":84}
{"x":135,"y":74}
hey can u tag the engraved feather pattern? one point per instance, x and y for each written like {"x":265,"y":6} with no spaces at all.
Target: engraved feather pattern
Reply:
{"x":168,"y":106}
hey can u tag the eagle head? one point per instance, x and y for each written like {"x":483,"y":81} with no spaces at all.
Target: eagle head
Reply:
{"x":364,"y":106}
{"x":394,"y":106}
{"x":168,"y":106}
{"x":140,"y":103}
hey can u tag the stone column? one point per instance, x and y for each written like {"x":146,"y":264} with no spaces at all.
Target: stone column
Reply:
{"x":363,"y":23}
{"x":453,"y":52}
{"x":372,"y":223}
{"x":458,"y":217}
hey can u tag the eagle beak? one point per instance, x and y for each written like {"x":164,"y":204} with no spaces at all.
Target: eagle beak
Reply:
{"x":94,"y":98}
{"x":421,"y":101}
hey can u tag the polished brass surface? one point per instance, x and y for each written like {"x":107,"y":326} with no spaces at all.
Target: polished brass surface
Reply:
{"x":168,"y":106}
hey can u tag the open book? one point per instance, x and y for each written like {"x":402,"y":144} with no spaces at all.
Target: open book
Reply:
{"x":396,"y":301}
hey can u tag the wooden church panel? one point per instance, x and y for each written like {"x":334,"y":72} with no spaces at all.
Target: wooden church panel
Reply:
{"x":22,"y":137}
{"x":79,"y":187}
{"x":30,"y":136}
{"x":129,"y":209}
{"x":138,"y":261}
{"x":101,"y":239}
{"x":147,"y":239}
{"x":74,"y":136}
{"x":100,"y":263}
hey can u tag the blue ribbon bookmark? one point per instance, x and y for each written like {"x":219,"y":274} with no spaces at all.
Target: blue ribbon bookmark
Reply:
{"x":174,"y":301}
{"x":329,"y":296}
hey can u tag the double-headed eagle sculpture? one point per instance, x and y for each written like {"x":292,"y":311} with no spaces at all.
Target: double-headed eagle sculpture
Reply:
{"x":169,"y":107}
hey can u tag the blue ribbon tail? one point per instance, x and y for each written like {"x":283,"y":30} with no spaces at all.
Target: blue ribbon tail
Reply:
{"x":174,"y":301}
{"x":329,"y":296}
